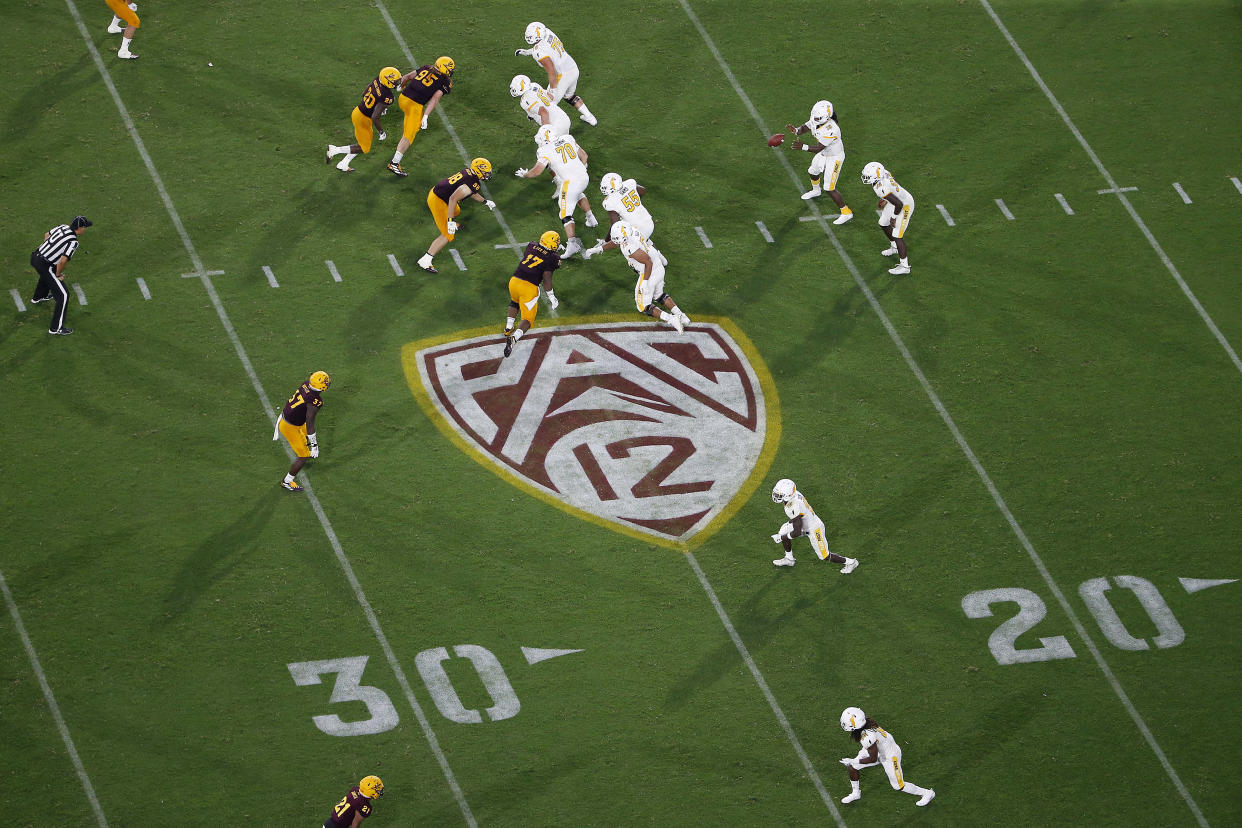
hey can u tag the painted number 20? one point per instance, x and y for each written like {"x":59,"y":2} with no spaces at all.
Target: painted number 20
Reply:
{"x":1031,"y":610}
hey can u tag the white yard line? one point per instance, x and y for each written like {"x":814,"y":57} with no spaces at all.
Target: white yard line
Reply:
{"x":1182,"y":193}
{"x":703,"y":237}
{"x":763,"y":230}
{"x":457,"y":258}
{"x":50,"y":698}
{"x":264,"y":400}
{"x":1236,"y":183}
{"x":751,"y":665}
{"x":1004,"y":210}
{"x":271,"y":277}
{"x":948,"y":219}
{"x":77,"y":289}
{"x":461,"y":149}
{"x":142,"y":287}
{"x":336,"y":276}
{"x":17,"y":300}
{"x":1151,"y":240}
{"x":958,"y":437}
{"x":1069,"y":211}
{"x":396,"y":266}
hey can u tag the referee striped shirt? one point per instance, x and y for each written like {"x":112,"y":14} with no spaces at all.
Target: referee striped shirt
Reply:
{"x":61,"y":241}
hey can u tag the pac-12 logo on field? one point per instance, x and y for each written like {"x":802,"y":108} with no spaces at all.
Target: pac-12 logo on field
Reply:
{"x":653,"y":433}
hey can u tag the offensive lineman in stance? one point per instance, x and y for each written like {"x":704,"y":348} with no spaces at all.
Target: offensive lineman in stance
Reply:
{"x":297,"y":424}
{"x":548,"y":51}
{"x":878,"y":748}
{"x":803,"y":521}
{"x":538,"y":262}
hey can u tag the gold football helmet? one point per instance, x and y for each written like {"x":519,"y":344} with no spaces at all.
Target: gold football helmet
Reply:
{"x":320,"y":380}
{"x":482,"y":168}
{"x":550,"y":240}
{"x":390,"y":77}
{"x":372,"y":787}
{"x":445,"y":65}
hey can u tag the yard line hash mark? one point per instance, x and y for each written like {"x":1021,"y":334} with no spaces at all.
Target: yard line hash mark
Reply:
{"x":142,"y":287}
{"x":271,"y":277}
{"x":457,"y":258}
{"x":264,"y":400}
{"x":1182,"y":193}
{"x":201,"y":273}
{"x":77,"y":289}
{"x":1069,"y":211}
{"x":17,"y":300}
{"x":1135,"y":716}
{"x":336,"y":276}
{"x":1117,"y":190}
{"x":1236,"y":183}
{"x":764,"y":232}
{"x":1004,"y":210}
{"x":396,"y":266}
{"x":948,"y":219}
{"x":703,"y":237}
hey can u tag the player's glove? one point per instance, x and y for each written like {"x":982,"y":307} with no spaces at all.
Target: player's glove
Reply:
{"x":553,"y":302}
{"x":591,"y":251}
{"x":848,"y":761}
{"x":491,"y":205}
{"x":314,"y":445}
{"x":521,"y":172}
{"x":522,"y":52}
{"x":452,"y":226}
{"x":382,"y":135}
{"x":776,"y":538}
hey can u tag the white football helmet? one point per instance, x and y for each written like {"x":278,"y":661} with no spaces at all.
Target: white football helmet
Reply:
{"x":609,"y":184}
{"x":821,"y":112}
{"x":534,"y":33}
{"x":872,"y":172}
{"x":519,"y":85}
{"x":622,"y":230}
{"x":783,"y":491}
{"x":544,"y":136}
{"x":852,"y":718}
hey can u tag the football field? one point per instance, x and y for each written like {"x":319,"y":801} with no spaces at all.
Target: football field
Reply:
{"x":539,"y":590}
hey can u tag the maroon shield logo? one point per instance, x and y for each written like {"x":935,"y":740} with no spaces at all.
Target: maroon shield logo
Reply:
{"x":632,"y":425}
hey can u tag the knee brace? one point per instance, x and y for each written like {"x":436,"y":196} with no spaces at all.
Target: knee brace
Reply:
{"x":575,"y":100}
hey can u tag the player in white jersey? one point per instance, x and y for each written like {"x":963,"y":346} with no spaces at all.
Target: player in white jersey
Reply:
{"x":829,"y":156}
{"x":643,"y":256}
{"x":538,"y":105}
{"x":548,"y":51}
{"x":877,"y":747}
{"x":897,"y":206}
{"x":803,"y":521}
{"x":624,"y":202}
{"x":568,"y":162}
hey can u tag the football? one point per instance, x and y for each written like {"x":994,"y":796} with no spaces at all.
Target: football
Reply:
{"x":776,"y":140}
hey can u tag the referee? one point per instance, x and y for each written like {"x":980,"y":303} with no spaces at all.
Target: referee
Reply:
{"x":49,"y":261}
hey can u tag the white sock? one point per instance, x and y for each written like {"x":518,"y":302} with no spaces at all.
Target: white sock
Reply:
{"x":586,"y":113}
{"x":344,"y":163}
{"x":116,"y":21}
{"x":905,"y":262}
{"x":854,"y":786}
{"x":334,"y":150}
{"x":397,"y":156}
{"x":914,"y":789}
{"x":125,"y":41}
{"x":517,"y":334}
{"x":509,"y":325}
{"x":664,"y":316}
{"x":288,"y":478}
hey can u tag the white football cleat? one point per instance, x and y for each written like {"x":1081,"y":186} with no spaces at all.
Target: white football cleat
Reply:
{"x":784,"y":562}
{"x":591,"y":221}
{"x":899,"y":270}
{"x":685,"y":320}
{"x":572,"y":246}
{"x":853,"y":797}
{"x":814,"y":192}
{"x":890,"y":251}
{"x":850,"y":565}
{"x":674,"y":320}
{"x":924,"y":799}
{"x":843,"y":218}
{"x":589,"y":118}
{"x":126,"y":55}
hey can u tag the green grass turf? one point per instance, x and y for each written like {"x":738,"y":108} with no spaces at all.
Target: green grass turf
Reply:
{"x":166,"y":581}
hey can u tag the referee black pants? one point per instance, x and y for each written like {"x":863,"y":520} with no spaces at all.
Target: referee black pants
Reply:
{"x":50,"y":287}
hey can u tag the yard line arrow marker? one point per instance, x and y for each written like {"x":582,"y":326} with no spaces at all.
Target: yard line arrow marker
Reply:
{"x":1193,"y":585}
{"x":534,"y":655}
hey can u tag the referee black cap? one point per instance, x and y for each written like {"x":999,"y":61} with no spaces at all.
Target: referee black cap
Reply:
{"x":80,"y":221}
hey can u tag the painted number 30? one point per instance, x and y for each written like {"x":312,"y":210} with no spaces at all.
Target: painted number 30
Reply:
{"x":382,"y":714}
{"x":1031,"y":611}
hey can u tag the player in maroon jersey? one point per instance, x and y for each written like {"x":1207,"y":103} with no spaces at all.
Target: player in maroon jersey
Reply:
{"x":356,"y":805}
{"x":538,"y":262}
{"x":366,"y":118}
{"x":297,"y":424}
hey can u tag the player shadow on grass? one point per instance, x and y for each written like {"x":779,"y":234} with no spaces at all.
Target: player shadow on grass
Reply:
{"x":63,"y":86}
{"x":318,"y":211}
{"x":755,"y":628}
{"x":216,"y":557}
